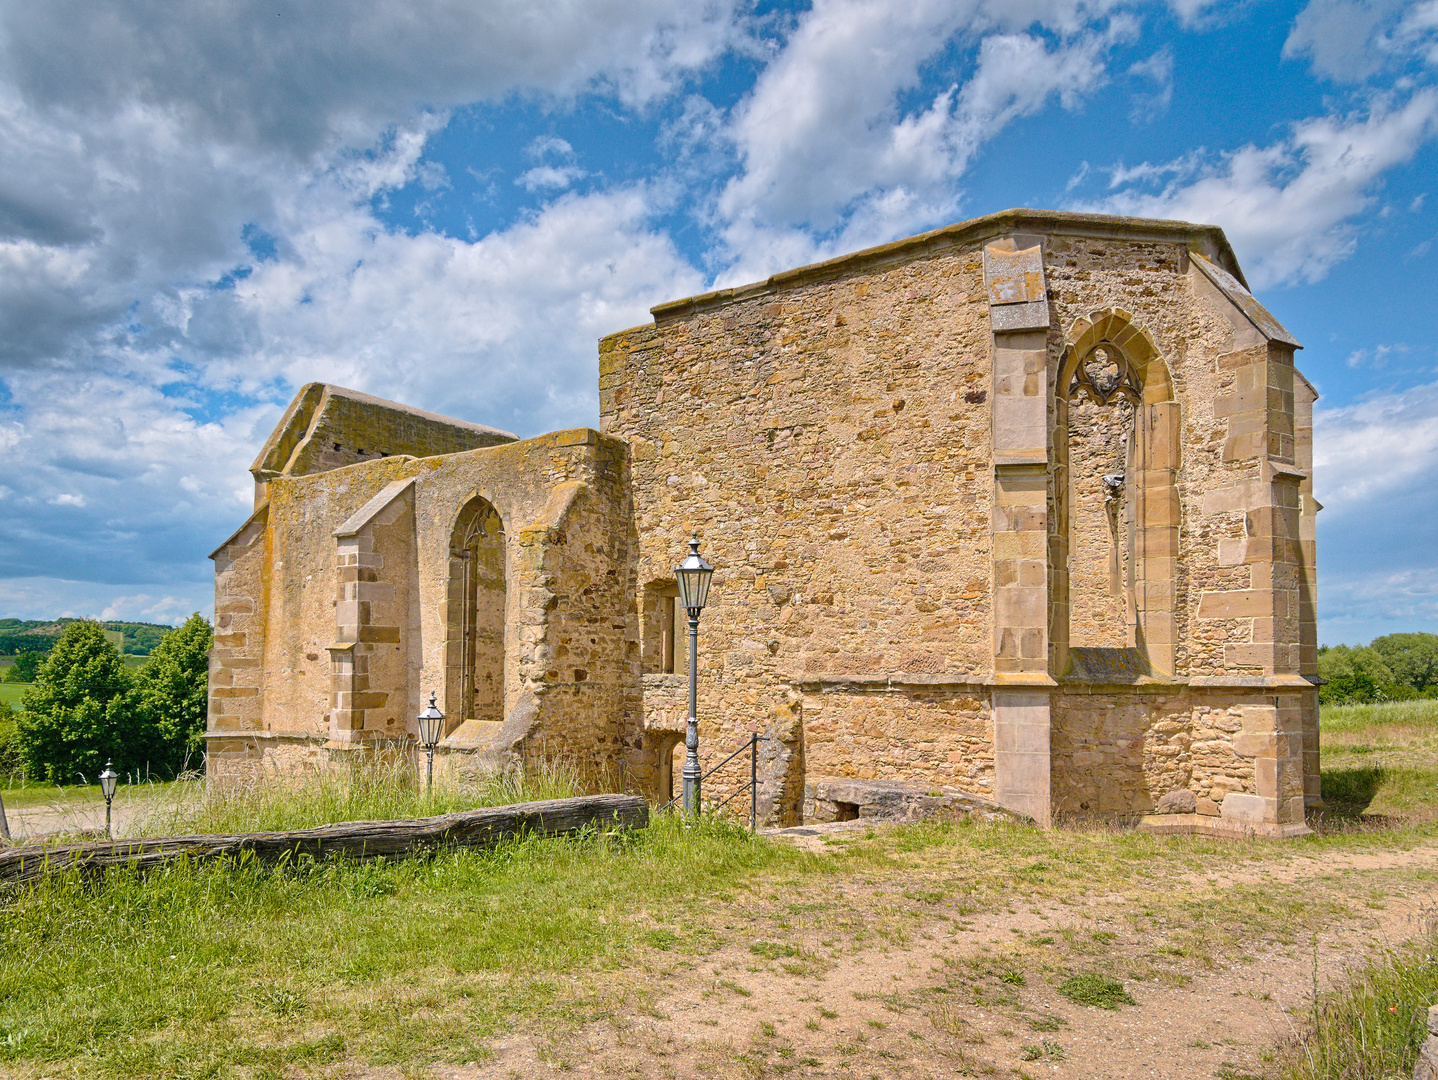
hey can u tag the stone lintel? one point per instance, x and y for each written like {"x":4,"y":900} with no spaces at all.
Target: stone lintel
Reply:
{"x":278,"y":736}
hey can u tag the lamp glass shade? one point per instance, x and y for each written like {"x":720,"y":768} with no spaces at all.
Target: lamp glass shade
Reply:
{"x":692,"y":576}
{"x":431,"y":724}
{"x":108,"y":779}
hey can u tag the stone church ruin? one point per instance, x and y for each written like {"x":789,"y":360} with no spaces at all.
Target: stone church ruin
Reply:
{"x":1020,"y":508}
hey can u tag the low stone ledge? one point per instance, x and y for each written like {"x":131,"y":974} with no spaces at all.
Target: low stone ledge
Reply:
{"x":829,"y":799}
{"x":1204,"y":825}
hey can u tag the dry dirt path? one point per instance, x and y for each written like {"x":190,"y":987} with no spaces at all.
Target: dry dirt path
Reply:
{"x":955,"y":994}
{"x":72,"y":815}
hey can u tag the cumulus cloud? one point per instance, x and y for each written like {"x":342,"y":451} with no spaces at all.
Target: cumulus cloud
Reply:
{"x":312,"y":76}
{"x":184,"y":190}
{"x":1352,"y":40}
{"x":66,"y":598}
{"x":450,"y":324}
{"x":1289,"y":207}
{"x":1367,"y":451}
{"x":826,"y":148}
{"x":1374,"y":463}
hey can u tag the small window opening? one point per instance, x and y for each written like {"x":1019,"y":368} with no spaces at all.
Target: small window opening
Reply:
{"x":846,"y":811}
{"x":666,"y":630}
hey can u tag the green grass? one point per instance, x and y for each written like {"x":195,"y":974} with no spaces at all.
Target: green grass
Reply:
{"x":201,"y":971}
{"x":1380,"y":760}
{"x":10,"y":694}
{"x":317,"y":969}
{"x":1373,"y":1026}
{"x":1099,"y":990}
{"x":1347,"y":719}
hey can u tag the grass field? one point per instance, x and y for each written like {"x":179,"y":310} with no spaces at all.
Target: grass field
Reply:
{"x":974,"y":930}
{"x":1381,"y":760}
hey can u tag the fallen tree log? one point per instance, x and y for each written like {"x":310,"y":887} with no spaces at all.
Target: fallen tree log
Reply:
{"x":351,"y":839}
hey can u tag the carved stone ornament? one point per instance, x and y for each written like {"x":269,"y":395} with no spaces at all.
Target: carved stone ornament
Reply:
{"x":1105,"y":375}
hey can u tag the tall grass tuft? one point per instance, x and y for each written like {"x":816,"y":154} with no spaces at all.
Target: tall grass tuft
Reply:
{"x":1373,"y":1027}
{"x":383,"y":790}
{"x":1421,"y":714}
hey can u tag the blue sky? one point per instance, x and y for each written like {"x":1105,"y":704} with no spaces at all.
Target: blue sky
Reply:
{"x":203,"y":207}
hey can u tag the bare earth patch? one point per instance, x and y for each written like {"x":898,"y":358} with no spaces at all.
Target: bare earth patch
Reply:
{"x":894,"y":978}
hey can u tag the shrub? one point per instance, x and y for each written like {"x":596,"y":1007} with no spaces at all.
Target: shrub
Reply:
{"x":168,"y":700}
{"x":1354,"y":675}
{"x":11,"y":760}
{"x":72,"y":718}
{"x":25,"y":668}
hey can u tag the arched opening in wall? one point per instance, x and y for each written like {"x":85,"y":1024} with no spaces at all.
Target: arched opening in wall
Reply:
{"x":1114,"y":538}
{"x":475,"y":616}
{"x":668,"y":765}
{"x":1103,"y":394}
{"x":665,"y":644}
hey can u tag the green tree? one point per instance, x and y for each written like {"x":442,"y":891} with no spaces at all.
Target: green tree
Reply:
{"x":25,"y":668}
{"x":171,"y":694}
{"x":1413,"y":659}
{"x":72,"y":719}
{"x":1355,"y":675}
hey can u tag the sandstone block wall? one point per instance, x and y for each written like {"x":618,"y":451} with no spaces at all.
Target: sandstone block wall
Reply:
{"x":332,"y":620}
{"x":882,"y":459}
{"x":1019,"y":509}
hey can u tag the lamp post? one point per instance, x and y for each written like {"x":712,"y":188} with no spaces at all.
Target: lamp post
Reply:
{"x":108,"y":779}
{"x":431,"y":728}
{"x":693,"y":576}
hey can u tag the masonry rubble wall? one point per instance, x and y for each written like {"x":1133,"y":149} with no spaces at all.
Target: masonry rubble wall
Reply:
{"x":875,"y":452}
{"x":332,"y":622}
{"x":1020,"y":509}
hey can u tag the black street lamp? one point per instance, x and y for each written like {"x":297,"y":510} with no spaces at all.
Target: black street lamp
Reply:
{"x":693,"y":576}
{"x":431,"y":730}
{"x":108,"y":779}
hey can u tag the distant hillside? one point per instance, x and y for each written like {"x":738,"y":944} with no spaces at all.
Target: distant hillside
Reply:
{"x":40,"y":635}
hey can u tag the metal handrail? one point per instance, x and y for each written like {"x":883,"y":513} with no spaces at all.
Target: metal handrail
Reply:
{"x":752,"y":745}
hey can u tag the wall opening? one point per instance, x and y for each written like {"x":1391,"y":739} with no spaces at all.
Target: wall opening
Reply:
{"x":1102,"y":397}
{"x":846,"y":811}
{"x":666,"y":629}
{"x":1113,"y":541}
{"x":475,"y":618}
{"x":665,"y":763}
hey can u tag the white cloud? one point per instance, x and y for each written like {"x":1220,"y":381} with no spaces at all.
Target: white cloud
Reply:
{"x":1288,"y":208}
{"x":143,"y":607}
{"x":1374,"y":463}
{"x":1158,"y":70}
{"x":1352,"y":40}
{"x":549,"y":146}
{"x":549,"y":177}
{"x":449,"y":324}
{"x":1194,"y":13}
{"x":826,"y":148}
{"x":66,"y":598}
{"x":1340,"y":37}
{"x":1380,"y":448}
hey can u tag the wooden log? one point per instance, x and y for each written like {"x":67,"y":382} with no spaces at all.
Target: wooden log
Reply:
{"x":352,"y":839}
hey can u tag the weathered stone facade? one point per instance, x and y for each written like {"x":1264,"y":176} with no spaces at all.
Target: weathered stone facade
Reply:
{"x":1020,"y":509}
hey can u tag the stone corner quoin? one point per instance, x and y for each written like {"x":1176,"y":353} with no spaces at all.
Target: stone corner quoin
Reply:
{"x":1019,"y":509}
